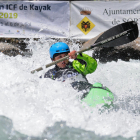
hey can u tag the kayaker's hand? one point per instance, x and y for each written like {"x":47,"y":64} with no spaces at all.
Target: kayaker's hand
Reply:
{"x":72,"y":55}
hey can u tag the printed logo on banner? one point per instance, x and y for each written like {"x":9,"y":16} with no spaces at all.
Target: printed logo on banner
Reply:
{"x":85,"y":25}
{"x":85,"y":11}
{"x":18,"y":32}
{"x":9,"y":32}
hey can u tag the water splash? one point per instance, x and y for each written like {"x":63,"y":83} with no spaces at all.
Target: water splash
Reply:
{"x":34,"y":104}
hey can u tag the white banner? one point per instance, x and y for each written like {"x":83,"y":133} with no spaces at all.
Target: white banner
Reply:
{"x":90,"y":18}
{"x":35,"y":19}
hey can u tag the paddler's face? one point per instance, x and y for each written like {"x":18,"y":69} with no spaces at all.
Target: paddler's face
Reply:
{"x":63,"y":63}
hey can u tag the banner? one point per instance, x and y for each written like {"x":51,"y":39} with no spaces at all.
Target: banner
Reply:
{"x":35,"y":19}
{"x":55,"y":19}
{"x":90,"y":18}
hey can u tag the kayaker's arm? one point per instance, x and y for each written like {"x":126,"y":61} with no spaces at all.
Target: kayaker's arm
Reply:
{"x":49,"y":74}
{"x":85,"y":64}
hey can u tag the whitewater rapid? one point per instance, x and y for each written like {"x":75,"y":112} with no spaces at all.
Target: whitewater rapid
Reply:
{"x":33,"y":103}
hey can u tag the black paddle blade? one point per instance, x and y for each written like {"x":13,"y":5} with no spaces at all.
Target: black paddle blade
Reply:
{"x":132,"y":33}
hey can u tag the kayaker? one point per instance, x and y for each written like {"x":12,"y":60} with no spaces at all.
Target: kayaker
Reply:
{"x":75,"y":72}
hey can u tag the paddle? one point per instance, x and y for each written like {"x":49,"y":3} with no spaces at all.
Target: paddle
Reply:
{"x":115,"y":36}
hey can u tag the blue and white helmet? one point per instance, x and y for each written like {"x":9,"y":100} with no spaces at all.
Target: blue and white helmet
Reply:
{"x":58,"y":48}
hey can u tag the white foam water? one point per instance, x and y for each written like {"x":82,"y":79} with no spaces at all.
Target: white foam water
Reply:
{"x":34,"y":103}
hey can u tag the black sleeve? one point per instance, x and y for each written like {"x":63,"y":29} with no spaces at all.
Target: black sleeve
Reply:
{"x":48,"y":74}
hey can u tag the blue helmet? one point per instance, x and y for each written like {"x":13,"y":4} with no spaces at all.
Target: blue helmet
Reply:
{"x":58,"y":48}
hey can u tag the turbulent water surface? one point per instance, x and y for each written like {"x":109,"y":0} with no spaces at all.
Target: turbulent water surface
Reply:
{"x":43,"y":109}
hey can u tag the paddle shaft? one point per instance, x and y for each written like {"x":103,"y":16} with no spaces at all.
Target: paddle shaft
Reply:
{"x":83,"y":50}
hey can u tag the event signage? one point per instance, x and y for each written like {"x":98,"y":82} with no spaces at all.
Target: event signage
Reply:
{"x":64,"y":19}
{"x":34,"y":19}
{"x":90,"y":18}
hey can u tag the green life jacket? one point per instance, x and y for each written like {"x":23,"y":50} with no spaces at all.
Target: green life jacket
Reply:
{"x":84,"y":64}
